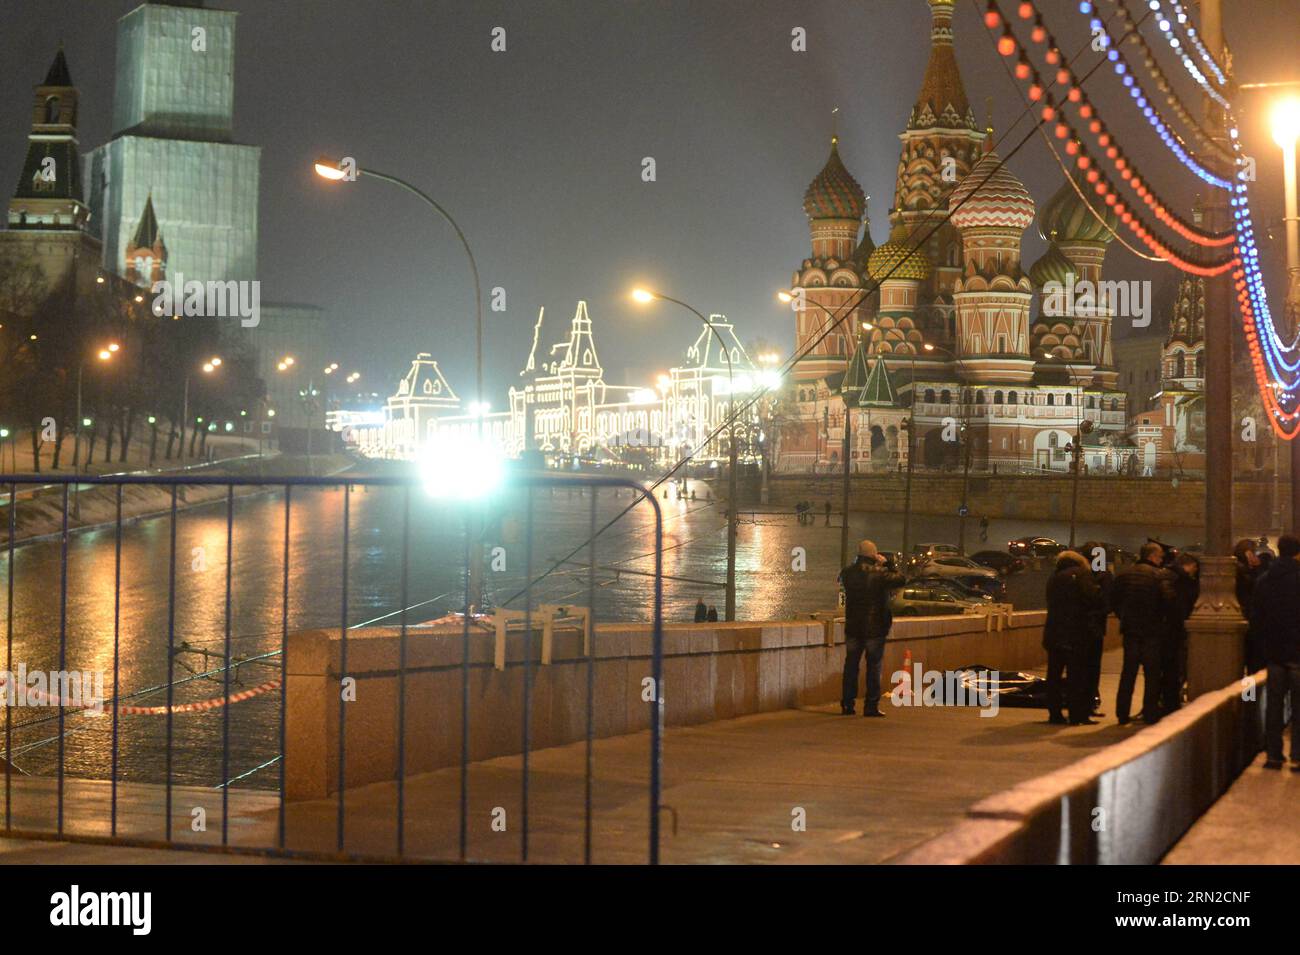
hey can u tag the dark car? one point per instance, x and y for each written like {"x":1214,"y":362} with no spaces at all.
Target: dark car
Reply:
{"x":1004,"y":563}
{"x":1034,"y":547}
{"x":988,"y":586}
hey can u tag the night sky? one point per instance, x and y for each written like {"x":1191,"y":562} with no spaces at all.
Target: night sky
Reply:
{"x":537,"y":152}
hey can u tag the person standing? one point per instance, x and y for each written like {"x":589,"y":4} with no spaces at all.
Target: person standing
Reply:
{"x":867,"y":583}
{"x":701,"y":611}
{"x":1173,"y":661}
{"x":1276,"y":603}
{"x":1073,"y":598}
{"x":1249,"y":570}
{"x":1101,"y":573}
{"x":1143,"y":599}
{"x":828,"y":513}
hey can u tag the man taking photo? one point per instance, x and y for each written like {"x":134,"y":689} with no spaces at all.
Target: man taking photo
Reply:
{"x":867,"y":583}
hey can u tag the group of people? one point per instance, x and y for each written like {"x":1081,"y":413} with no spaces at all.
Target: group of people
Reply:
{"x":1152,"y":599}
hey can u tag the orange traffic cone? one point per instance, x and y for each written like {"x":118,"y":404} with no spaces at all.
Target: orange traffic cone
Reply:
{"x":903,"y":692}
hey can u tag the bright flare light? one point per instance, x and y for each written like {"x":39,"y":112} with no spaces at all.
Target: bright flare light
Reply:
{"x":642,"y":296}
{"x":1286,"y":122}
{"x":643,"y":396}
{"x":458,"y":465}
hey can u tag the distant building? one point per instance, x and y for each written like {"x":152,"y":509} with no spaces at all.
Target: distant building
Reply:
{"x":293,"y":330}
{"x":173,"y":149}
{"x":1169,"y":428}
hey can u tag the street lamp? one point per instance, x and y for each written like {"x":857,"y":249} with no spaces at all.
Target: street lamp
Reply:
{"x":1082,"y":426}
{"x":965,"y":431}
{"x":209,"y":366}
{"x":335,"y":170}
{"x":1286,"y":130}
{"x":850,"y":402}
{"x":644,"y":296}
{"x":105,"y":354}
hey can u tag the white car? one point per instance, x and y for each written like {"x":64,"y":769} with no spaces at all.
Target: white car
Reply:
{"x":953,"y":565}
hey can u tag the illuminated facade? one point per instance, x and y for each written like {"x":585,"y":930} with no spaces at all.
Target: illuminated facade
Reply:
{"x":563,"y":408}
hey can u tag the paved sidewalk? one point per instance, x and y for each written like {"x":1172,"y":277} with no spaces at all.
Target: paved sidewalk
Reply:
{"x":1256,"y":822}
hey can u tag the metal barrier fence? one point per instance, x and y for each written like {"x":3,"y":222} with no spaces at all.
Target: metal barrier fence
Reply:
{"x":138,"y":799}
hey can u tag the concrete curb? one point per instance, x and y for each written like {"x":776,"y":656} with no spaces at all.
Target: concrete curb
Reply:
{"x":1127,"y":804}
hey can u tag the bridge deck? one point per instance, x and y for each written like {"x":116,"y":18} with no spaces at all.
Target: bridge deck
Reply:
{"x":870,"y":789}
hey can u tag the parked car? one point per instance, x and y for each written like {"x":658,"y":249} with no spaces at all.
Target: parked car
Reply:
{"x":999,"y":560}
{"x":953,"y":565}
{"x":958,"y":588}
{"x":921,"y":599}
{"x":965,"y":571}
{"x":1034,"y":547}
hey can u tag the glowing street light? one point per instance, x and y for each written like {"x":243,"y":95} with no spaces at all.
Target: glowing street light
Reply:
{"x":645,"y":296}
{"x":331,"y":169}
{"x":1286,"y":122}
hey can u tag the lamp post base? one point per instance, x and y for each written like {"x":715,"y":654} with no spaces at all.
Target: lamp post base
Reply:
{"x":1216,"y":630}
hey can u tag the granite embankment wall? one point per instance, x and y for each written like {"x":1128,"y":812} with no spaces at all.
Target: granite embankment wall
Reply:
{"x":711,"y":672}
{"x":1032,"y":497}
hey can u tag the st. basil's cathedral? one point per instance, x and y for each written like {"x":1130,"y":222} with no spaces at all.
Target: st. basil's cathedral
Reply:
{"x":938,"y":319}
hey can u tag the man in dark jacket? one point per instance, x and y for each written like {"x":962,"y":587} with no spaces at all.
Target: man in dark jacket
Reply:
{"x":1249,"y":570}
{"x":1073,"y":598}
{"x":1099,"y":562}
{"x":1143,"y":599}
{"x":1173,"y":661}
{"x":867,"y":583}
{"x":1276,"y":615}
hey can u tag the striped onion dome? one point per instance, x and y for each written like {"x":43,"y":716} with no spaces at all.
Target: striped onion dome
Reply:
{"x":1067,"y":215}
{"x":991,"y":197}
{"x":1054,"y":266}
{"x":834,"y":194}
{"x":896,"y":259}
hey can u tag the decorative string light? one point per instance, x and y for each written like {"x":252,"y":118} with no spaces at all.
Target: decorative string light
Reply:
{"x":1101,"y":184}
{"x":1275,"y":363}
{"x":1147,"y":107}
{"x":1161,"y":79}
{"x":1166,"y":27}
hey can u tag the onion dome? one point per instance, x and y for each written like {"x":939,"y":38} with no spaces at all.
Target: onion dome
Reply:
{"x":896,"y":259}
{"x":1054,"y":266}
{"x":834,"y":194}
{"x":1073,"y":219}
{"x":991,"y":197}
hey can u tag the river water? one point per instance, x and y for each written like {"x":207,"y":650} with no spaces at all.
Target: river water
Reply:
{"x":769,"y":586}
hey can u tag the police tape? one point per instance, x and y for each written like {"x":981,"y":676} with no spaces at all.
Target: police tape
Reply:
{"x":213,"y":704}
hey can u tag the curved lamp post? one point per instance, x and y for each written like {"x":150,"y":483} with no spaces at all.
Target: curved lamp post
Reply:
{"x":336,"y":170}
{"x":644,"y":296}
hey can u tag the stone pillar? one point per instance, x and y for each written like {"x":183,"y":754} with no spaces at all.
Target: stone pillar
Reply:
{"x":1216,"y":630}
